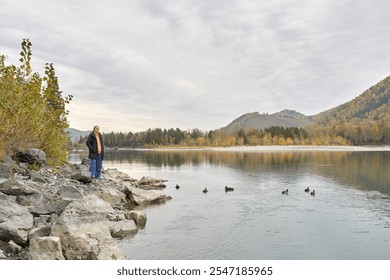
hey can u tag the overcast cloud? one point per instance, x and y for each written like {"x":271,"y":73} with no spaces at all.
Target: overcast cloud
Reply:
{"x":134,"y":65}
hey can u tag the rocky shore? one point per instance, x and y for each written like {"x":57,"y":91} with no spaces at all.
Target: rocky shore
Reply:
{"x":62,"y":214}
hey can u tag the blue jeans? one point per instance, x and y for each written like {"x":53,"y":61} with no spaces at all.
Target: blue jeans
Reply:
{"x":96,"y":167}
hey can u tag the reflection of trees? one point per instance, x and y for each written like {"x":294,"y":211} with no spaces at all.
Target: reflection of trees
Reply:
{"x":365,"y":170}
{"x":240,"y":160}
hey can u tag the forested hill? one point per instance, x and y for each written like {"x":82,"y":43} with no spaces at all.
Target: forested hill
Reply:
{"x":256,"y":121}
{"x":363,"y":120}
{"x":372,"y":106}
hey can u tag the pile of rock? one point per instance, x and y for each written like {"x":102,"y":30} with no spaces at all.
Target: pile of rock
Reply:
{"x":64,"y":214}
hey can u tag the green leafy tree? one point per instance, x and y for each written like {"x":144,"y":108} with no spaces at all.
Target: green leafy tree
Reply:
{"x":32,"y":109}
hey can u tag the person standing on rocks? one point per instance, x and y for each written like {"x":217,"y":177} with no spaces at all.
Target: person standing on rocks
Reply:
{"x":96,"y":152}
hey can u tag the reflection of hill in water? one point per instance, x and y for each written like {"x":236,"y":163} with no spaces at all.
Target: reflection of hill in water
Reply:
{"x":363,"y":170}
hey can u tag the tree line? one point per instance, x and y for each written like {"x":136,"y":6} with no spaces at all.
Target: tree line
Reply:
{"x":368,"y":133}
{"x":158,"y":137}
{"x":32,"y":109}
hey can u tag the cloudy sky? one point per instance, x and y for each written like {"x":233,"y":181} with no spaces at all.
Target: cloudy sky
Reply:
{"x":138,"y":64}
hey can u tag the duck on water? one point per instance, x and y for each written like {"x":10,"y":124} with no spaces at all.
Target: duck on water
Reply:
{"x":228,"y":189}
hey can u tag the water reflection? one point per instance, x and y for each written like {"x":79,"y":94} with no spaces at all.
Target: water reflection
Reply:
{"x":363,"y":170}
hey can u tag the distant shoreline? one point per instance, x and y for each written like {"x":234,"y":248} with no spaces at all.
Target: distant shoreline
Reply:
{"x":282,"y":148}
{"x":274,"y":148}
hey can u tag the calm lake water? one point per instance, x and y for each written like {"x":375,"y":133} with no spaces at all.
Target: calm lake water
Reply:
{"x":349,"y":217}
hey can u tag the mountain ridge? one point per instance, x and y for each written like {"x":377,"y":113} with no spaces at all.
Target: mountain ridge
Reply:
{"x":369,"y":110}
{"x":256,"y":121}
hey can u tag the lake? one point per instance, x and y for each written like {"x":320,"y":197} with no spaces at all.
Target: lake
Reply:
{"x":348,"y":218}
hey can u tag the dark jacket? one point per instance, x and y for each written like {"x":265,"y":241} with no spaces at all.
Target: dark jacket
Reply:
{"x":92,"y":146}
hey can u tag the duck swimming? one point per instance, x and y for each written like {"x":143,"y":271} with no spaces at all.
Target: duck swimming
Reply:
{"x":177,"y":186}
{"x":307,"y":189}
{"x":228,"y":189}
{"x":205,"y":190}
{"x":285,"y":191}
{"x":313,"y":193}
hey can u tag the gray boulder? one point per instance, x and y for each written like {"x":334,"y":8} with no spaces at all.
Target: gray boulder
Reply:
{"x":46,"y":248}
{"x":17,"y":187}
{"x":49,"y":208}
{"x":97,"y":205}
{"x":144,"y":197}
{"x":114,"y":173}
{"x":123,"y":228}
{"x":35,"y":199}
{"x":85,"y":232}
{"x":7,"y":167}
{"x":138,"y":217}
{"x":112,"y":196}
{"x":39,"y":232}
{"x":70,"y":193}
{"x":32,"y":156}
{"x":83,"y":178}
{"x":15,"y":221}
{"x":149,"y":183}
